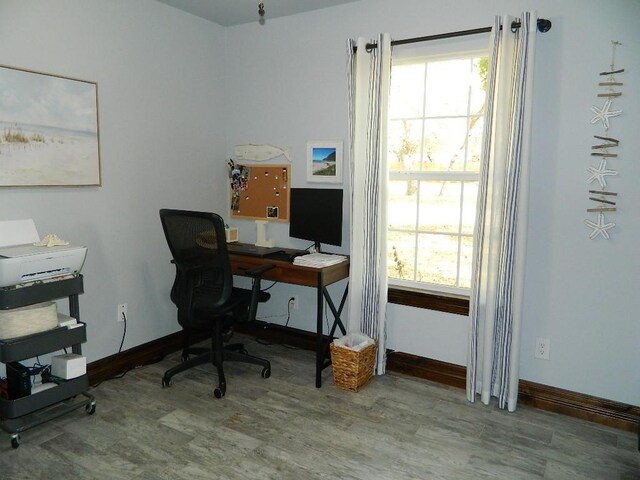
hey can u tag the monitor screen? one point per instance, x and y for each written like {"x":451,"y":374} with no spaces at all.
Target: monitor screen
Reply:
{"x":316,"y":215}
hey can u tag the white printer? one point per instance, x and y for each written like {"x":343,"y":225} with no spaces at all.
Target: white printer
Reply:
{"x":21,"y":260}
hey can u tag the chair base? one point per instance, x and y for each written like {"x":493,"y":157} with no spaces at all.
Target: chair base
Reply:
{"x":230,"y":353}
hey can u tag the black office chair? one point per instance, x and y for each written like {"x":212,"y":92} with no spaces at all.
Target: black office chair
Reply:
{"x":204,"y":293}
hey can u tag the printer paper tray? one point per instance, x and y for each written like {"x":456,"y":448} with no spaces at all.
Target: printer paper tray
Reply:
{"x":40,"y":292}
{"x":29,"y":346}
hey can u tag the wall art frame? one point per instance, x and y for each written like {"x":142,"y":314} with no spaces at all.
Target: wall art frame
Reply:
{"x":49,"y":135}
{"x":324,"y":161}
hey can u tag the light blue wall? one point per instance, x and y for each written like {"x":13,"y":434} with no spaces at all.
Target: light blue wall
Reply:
{"x":160,"y":89}
{"x":177,"y":92}
{"x":286,"y":85}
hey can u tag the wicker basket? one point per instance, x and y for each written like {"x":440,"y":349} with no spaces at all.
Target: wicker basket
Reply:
{"x":352,"y":369}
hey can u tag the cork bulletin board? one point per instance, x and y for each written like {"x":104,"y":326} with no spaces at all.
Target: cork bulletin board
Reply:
{"x":262,"y":193}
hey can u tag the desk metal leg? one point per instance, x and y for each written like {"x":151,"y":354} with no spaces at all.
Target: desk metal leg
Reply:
{"x":322,"y":347}
{"x":337,"y":321}
{"x":319,"y":339}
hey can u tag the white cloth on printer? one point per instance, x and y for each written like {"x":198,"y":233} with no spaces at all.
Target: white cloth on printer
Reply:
{"x":51,"y":240}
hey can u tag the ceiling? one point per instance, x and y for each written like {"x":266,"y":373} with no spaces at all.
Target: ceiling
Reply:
{"x":235,"y":12}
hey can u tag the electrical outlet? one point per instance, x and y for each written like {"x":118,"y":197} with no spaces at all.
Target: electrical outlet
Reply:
{"x":122,"y":312}
{"x":295,"y":301}
{"x":542,"y":348}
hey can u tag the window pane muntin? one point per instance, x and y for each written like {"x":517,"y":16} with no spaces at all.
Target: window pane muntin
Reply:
{"x":434,"y":176}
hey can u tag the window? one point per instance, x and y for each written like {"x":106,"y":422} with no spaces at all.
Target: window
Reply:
{"x":434,"y":145}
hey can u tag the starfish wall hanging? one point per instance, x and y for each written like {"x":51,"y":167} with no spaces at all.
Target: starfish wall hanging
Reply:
{"x":599,"y":228}
{"x":600,"y":172}
{"x":603,"y":115}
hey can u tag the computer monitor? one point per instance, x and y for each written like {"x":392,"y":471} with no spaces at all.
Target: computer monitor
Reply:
{"x":315,"y":214}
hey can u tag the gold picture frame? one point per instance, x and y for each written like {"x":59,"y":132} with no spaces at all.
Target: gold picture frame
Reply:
{"x":49,"y":134}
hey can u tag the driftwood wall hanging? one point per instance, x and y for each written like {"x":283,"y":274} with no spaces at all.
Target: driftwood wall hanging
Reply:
{"x":604,"y":153}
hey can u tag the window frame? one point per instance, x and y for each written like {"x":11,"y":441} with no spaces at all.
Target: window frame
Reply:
{"x":438,"y":301}
{"x":454,"y":300}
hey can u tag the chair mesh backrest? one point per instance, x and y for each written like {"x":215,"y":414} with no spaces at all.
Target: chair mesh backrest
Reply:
{"x":198,"y":238}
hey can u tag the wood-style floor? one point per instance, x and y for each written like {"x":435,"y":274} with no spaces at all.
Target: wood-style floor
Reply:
{"x":284,"y":428}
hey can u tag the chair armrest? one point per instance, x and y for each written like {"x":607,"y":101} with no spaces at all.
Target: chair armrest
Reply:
{"x":256,"y":274}
{"x":259,"y":271}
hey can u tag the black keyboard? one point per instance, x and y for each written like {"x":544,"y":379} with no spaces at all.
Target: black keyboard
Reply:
{"x":283,"y":256}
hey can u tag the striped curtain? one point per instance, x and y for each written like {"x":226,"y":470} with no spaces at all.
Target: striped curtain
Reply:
{"x":368,"y":75}
{"x":501,"y":222}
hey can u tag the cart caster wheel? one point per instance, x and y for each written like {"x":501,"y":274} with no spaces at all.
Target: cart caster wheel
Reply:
{"x":90,"y":408}
{"x":266,"y":372}
{"x":15,"y":441}
{"x":220,"y":391}
{"x":166,"y":382}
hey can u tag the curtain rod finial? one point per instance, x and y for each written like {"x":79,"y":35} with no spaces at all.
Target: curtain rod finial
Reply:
{"x":544,"y":25}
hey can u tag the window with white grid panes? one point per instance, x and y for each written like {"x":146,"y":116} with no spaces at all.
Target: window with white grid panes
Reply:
{"x":435,"y":131}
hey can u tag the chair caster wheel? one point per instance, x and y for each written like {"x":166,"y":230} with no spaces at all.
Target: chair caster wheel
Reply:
{"x":266,"y":372}
{"x":15,"y":441}
{"x":166,"y":382}
{"x":219,"y":392}
{"x":90,"y":408}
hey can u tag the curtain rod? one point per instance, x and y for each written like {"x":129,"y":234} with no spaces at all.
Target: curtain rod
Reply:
{"x":544,"y":26}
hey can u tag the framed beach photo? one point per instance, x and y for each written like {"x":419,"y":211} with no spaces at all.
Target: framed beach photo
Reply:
{"x":324,"y":162}
{"x":48,"y":130}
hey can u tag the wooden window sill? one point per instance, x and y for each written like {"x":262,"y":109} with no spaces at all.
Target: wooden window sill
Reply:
{"x":430,"y":301}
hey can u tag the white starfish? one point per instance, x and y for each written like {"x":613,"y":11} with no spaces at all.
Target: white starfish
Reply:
{"x":604,"y":114}
{"x":599,"y":228}
{"x":600,"y":172}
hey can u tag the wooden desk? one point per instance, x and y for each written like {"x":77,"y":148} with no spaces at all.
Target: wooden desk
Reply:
{"x":318,"y":278}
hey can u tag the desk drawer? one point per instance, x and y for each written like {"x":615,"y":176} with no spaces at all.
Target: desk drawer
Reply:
{"x":288,"y":272}
{"x":283,"y":271}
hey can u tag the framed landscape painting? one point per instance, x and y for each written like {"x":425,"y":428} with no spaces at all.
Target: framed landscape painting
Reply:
{"x":324,"y":162}
{"x":48,"y":130}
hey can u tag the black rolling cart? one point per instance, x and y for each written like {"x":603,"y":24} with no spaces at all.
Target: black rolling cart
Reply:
{"x":32,"y":410}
